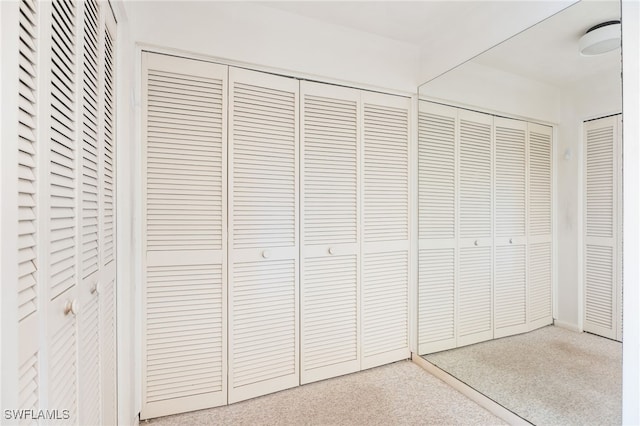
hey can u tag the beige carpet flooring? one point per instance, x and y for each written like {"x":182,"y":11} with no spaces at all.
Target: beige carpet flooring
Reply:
{"x":551,"y":376}
{"x":397,"y":394}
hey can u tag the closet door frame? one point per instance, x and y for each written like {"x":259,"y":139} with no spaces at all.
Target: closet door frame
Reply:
{"x":338,"y":248}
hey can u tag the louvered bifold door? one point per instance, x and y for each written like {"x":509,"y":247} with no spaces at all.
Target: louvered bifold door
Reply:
{"x":510,"y":222}
{"x":385,"y":236}
{"x":539,"y":228}
{"x":90,"y":171}
{"x":184,"y":224}
{"x":330,"y":233}
{"x":619,"y":230}
{"x":600,"y":227}
{"x":263,"y":234}
{"x":437,"y":129}
{"x":28,"y":237}
{"x":62,"y":188}
{"x":475,"y":188}
{"x":107,"y":288}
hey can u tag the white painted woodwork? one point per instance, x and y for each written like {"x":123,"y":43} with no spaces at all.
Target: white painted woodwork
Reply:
{"x":385,"y":230}
{"x":107,"y":275}
{"x":311,"y":167}
{"x":437,"y":299}
{"x":263,"y":233}
{"x":89,"y":324}
{"x":602,"y":286}
{"x":63,"y":211}
{"x":485,"y":227}
{"x":510,"y":233}
{"x":184,"y":184}
{"x":437,"y":212}
{"x":475,"y":234}
{"x":330,"y":235}
{"x":63,"y":345}
{"x":540,"y":226}
{"x":29,"y":289}
{"x":619,"y":232}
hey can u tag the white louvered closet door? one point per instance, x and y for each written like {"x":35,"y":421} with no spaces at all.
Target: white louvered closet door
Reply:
{"x":107,"y":279}
{"x":184,"y":291}
{"x":437,"y":135}
{"x":89,"y":330}
{"x":385,"y":243}
{"x":540,"y":229}
{"x":59,"y":166}
{"x":61,"y":189}
{"x":475,"y":186}
{"x":29,"y":315}
{"x":619,"y":231}
{"x":510,"y":230}
{"x":601,"y":227}
{"x":263,"y":238}
{"x":330,"y":326}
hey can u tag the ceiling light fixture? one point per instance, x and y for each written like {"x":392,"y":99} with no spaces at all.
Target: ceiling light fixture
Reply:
{"x":601,"y":38}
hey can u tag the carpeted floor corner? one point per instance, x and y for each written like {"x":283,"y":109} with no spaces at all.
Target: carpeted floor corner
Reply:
{"x":551,"y":376}
{"x":397,"y":394}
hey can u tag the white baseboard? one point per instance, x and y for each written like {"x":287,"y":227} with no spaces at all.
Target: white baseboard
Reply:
{"x":567,"y":325}
{"x":477,"y":397}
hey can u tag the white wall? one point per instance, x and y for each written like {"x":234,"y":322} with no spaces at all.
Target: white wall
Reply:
{"x":260,"y":35}
{"x":493,"y":90}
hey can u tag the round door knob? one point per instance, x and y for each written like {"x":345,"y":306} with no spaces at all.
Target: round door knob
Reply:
{"x":266,"y":254}
{"x":510,"y":240}
{"x":72,"y":307}
{"x":332,"y":250}
{"x":475,"y":243}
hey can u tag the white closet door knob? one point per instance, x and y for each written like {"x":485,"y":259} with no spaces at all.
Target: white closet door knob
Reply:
{"x":266,"y":254}
{"x":94,"y":288}
{"x":331,"y":250}
{"x":475,"y":243}
{"x":510,"y":240}
{"x":72,"y":307}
